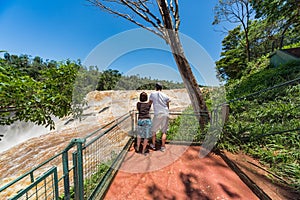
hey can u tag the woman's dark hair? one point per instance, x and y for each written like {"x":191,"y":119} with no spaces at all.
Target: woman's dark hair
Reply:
{"x":143,"y":97}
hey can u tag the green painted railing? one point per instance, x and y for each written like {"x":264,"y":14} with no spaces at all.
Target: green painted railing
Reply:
{"x":45,"y":187}
{"x":81,"y":170}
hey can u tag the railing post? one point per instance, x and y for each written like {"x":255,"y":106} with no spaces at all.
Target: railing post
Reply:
{"x":75,"y":175}
{"x":56,"y":190}
{"x":66,"y":175}
{"x":79,"y":194}
{"x":132,"y":121}
{"x":132,"y":115}
{"x":225,"y":112}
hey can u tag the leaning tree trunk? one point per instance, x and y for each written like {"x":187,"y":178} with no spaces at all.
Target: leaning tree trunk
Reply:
{"x":189,"y":80}
{"x":172,"y":38}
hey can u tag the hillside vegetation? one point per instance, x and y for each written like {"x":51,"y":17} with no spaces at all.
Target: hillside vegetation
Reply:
{"x":264,"y":101}
{"x":265,"y":119}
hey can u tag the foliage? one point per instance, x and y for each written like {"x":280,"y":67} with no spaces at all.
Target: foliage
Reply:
{"x":85,"y":82}
{"x":295,"y":45}
{"x":264,"y":119}
{"x":135,"y":82}
{"x":262,"y":77}
{"x":279,"y":10}
{"x":108,"y":79}
{"x":233,"y":56}
{"x":282,"y":13}
{"x":278,"y":25}
{"x":185,"y":127}
{"x":91,"y":183}
{"x":26,"y":96}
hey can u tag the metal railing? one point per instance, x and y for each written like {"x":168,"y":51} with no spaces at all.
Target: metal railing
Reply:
{"x":81,"y":170}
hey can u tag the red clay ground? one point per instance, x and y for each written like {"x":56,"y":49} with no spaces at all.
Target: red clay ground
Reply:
{"x":178,"y":173}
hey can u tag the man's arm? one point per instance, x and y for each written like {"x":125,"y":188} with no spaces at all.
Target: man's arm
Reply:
{"x":150,"y":102}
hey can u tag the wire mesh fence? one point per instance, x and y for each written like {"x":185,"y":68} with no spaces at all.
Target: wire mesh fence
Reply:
{"x":79,"y":168}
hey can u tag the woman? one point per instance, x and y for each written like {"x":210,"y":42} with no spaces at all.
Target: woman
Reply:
{"x":144,"y":122}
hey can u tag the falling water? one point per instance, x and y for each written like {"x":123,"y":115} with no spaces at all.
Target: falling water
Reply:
{"x":19,"y":132}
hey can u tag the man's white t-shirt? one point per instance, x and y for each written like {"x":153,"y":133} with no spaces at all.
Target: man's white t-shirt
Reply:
{"x":159,"y":101}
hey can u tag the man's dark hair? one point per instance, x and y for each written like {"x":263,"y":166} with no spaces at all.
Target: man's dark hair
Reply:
{"x":143,"y":97}
{"x":158,"y":86}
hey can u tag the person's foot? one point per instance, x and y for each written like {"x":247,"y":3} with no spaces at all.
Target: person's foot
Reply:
{"x":152,"y":146}
{"x":136,"y":150}
{"x":163,"y":149}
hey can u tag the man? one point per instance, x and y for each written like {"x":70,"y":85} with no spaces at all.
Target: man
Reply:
{"x":161,"y":115}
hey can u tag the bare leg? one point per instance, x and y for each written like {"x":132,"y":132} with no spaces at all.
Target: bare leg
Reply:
{"x":163,"y":139}
{"x":153,"y":139}
{"x":138,"y":143}
{"x":145,"y":143}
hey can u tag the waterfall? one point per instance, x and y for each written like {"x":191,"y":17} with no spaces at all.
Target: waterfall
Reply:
{"x":19,"y":132}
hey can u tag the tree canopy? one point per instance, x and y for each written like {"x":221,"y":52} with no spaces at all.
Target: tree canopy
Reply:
{"x":33,"y":90}
{"x":269,"y":25}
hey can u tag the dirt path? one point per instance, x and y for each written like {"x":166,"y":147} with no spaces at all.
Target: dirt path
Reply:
{"x":178,"y":173}
{"x":266,"y":181}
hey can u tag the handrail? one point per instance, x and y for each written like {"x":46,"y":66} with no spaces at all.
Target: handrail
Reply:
{"x":80,"y":143}
{"x":106,"y":131}
{"x":264,"y":90}
{"x":106,"y":125}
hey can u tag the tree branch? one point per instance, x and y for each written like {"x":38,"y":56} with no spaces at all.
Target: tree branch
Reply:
{"x":136,"y":9}
{"x":108,"y":9}
{"x":175,"y":12}
{"x":146,"y":9}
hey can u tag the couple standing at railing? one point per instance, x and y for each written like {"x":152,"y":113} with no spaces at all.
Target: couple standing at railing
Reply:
{"x":147,"y":128}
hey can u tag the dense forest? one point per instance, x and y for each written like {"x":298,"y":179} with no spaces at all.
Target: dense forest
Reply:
{"x":263,"y":99}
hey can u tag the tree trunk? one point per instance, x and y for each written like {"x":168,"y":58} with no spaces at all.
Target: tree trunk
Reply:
{"x":189,"y":80}
{"x":282,"y":36}
{"x":247,"y":41}
{"x":172,"y":38}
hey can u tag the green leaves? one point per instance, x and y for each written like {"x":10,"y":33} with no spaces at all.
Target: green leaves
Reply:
{"x":35,"y":98}
{"x":267,"y":125}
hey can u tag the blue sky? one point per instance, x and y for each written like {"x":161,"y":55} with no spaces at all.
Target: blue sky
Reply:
{"x":71,"y":29}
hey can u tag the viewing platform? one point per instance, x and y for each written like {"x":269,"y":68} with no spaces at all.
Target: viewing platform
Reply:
{"x":177,"y":173}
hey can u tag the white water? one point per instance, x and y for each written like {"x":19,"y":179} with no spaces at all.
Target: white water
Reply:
{"x":18,"y":133}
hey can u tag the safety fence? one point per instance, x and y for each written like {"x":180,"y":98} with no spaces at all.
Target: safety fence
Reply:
{"x":81,"y":171}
